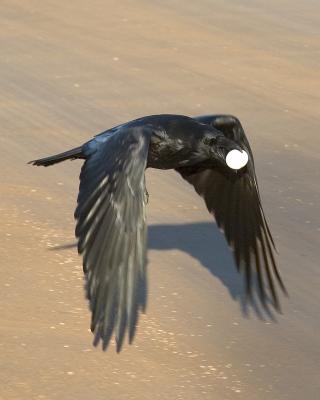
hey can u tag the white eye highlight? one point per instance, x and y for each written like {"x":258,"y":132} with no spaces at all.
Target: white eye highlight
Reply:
{"x":236,"y":159}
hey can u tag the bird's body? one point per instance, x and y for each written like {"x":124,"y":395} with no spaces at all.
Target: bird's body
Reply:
{"x":173,"y":141}
{"x":111,"y":228}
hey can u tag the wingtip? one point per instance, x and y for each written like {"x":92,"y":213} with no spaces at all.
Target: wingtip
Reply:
{"x":118,"y":345}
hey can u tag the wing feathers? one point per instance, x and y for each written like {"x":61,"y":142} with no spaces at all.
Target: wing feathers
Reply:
{"x":234,"y":200}
{"x":111,"y":230}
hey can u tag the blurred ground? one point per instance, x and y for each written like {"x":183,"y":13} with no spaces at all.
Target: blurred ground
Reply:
{"x":71,"y":69}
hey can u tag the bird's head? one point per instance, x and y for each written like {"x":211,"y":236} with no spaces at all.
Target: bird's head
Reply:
{"x":225,"y":151}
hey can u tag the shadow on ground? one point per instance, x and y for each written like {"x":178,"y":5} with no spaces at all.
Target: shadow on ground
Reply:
{"x":204,"y":242}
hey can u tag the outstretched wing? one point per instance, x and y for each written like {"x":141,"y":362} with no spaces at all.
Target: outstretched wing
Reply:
{"x":111,"y":229}
{"x":234,"y":200}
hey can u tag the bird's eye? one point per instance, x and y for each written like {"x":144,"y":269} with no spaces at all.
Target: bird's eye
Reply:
{"x":209,"y":141}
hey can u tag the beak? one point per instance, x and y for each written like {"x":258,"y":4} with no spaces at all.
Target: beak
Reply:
{"x":236,"y":159}
{"x":232,"y":154}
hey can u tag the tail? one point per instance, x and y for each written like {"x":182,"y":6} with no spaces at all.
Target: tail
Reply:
{"x":67,"y":155}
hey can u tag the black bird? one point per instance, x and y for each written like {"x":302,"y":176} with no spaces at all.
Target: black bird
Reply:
{"x":213,"y":154}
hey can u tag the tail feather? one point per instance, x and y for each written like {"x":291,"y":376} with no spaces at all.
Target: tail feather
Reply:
{"x":67,"y":155}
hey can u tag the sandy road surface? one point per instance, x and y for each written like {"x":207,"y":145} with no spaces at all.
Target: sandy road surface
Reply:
{"x":71,"y":69}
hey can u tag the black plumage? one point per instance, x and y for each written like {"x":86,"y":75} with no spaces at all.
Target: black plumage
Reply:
{"x":110,"y":214}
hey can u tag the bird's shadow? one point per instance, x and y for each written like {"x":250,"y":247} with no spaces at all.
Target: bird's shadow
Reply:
{"x":204,"y":242}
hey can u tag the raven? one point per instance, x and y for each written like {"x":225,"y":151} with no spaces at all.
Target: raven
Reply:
{"x":210,"y":152}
